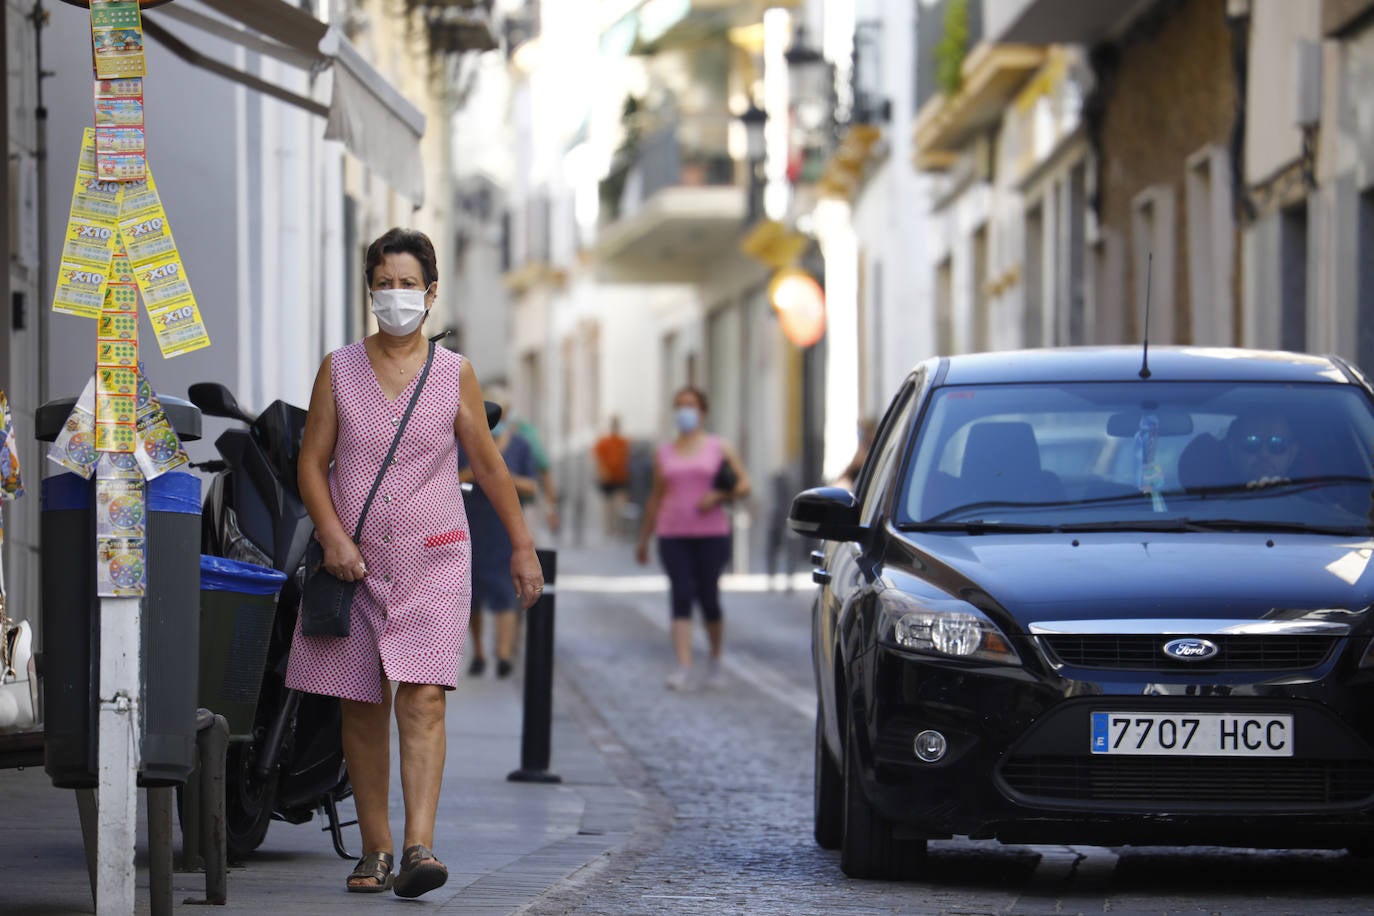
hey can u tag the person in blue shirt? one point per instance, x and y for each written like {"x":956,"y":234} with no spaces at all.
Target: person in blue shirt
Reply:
{"x":493,"y":591}
{"x":523,"y":428}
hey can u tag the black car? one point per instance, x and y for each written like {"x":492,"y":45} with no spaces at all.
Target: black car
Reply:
{"x":1081,"y":597}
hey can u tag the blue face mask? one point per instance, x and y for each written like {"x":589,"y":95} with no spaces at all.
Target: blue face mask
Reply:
{"x":498,"y":429}
{"x":687,"y":419}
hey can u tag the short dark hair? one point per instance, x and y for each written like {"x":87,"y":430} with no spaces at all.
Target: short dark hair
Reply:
{"x":697,"y":393}
{"x":402,"y":241}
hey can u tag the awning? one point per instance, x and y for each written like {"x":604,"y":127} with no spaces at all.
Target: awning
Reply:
{"x":372,"y":119}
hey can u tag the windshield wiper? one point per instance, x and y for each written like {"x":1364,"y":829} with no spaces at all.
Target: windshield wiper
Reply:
{"x":1280,"y":487}
{"x":978,"y":526}
{"x":1136,"y":524}
{"x":999,"y":505}
{"x":1239,"y":524}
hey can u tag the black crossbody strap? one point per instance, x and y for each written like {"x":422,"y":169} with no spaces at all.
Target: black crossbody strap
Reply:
{"x":419,"y":384}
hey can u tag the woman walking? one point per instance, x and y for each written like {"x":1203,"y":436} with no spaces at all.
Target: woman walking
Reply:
{"x":686,"y":511}
{"x":412,"y":560}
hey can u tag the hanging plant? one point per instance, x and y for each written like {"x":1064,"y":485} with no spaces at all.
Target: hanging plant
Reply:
{"x":952,"y":48}
{"x":613,"y":185}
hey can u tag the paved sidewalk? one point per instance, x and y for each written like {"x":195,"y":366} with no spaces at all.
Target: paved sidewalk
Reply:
{"x":505,"y":843}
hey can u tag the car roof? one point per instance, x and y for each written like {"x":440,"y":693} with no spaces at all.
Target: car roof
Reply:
{"x":1123,"y":363}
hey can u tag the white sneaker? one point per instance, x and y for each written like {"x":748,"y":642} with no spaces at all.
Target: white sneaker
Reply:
{"x":715,"y":674}
{"x":680,"y":679}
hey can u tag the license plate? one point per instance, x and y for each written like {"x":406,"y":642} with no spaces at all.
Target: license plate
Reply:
{"x":1196,"y":734}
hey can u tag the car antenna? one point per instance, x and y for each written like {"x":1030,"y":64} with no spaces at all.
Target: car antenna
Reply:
{"x":1145,"y":357}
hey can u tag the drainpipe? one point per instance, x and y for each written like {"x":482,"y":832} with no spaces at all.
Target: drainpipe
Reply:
{"x":1238,"y":24}
{"x":39,"y":18}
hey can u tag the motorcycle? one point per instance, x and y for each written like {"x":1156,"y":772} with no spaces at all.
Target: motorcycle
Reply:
{"x":293,"y":764}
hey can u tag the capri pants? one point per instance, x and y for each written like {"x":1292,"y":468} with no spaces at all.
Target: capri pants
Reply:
{"x":694,"y":566}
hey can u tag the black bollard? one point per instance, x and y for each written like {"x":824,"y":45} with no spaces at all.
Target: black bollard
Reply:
{"x":538,"y":721}
{"x":203,"y":841}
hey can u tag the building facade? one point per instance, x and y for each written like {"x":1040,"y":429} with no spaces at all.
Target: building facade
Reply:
{"x":270,"y":217}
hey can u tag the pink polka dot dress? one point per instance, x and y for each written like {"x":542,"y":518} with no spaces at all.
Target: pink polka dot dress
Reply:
{"x":410,"y":613}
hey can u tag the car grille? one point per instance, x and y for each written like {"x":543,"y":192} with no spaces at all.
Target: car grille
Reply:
{"x":1144,"y":652}
{"x":1191,"y":783}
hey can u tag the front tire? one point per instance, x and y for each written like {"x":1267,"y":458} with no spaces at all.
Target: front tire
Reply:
{"x":829,"y":793}
{"x":868,"y":848}
{"x":248,"y":802}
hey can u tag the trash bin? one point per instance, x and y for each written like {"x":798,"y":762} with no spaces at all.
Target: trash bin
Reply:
{"x":238,"y":602}
{"x":71,"y":614}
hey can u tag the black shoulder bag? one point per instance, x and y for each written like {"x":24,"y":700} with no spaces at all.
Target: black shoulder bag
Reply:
{"x":726,"y":479}
{"x":326,"y":600}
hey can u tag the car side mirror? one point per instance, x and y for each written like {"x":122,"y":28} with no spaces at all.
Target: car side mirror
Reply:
{"x":827,"y":513}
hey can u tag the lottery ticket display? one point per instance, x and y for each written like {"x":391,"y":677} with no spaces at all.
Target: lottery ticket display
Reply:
{"x":121,"y":571}
{"x":159,"y":447}
{"x":74,"y":448}
{"x":119,"y":508}
{"x":119,"y":249}
{"x":108,"y":261}
{"x":92,"y":228}
{"x":117,"y":36}
{"x":117,"y":41}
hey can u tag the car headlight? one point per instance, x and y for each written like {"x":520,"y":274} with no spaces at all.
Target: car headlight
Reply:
{"x":964,"y":633}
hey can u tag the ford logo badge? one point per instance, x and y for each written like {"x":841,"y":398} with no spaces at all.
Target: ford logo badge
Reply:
{"x":1190,"y":649}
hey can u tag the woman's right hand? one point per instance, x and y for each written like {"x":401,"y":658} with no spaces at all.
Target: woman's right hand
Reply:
{"x":343,"y":560}
{"x":642,"y":552}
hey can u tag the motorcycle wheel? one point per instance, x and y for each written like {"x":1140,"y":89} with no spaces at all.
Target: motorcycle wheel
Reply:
{"x":248,"y":802}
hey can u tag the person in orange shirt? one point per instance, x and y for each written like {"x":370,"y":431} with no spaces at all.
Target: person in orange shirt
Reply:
{"x":612,"y":454}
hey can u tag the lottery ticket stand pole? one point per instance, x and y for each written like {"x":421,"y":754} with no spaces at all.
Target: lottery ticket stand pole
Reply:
{"x":120,"y":708}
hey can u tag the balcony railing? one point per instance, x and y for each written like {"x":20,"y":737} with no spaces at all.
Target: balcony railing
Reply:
{"x":673,"y":209}
{"x":661,"y":161}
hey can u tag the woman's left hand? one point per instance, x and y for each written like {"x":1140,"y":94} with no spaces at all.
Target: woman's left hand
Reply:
{"x":712,"y":499}
{"x":527,"y":575}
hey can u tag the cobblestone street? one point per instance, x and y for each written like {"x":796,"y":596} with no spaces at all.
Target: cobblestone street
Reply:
{"x":725,"y":777}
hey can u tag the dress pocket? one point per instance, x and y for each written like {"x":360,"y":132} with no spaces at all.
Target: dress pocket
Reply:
{"x":455,"y":536}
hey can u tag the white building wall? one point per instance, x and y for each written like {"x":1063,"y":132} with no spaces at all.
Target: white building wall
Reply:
{"x":1345,"y":175}
{"x":955,"y":228}
{"x":892,"y":220}
{"x":1277,"y":27}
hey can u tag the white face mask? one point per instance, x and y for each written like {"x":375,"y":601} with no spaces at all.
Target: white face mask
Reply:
{"x":399,"y":311}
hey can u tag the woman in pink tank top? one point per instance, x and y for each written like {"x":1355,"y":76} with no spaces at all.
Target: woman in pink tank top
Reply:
{"x":686,"y":512}
{"x":412,"y":559}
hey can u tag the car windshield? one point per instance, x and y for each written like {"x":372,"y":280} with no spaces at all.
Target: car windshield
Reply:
{"x":1149,"y":455}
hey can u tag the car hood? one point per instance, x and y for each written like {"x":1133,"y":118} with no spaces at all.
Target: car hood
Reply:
{"x":1143,"y":575}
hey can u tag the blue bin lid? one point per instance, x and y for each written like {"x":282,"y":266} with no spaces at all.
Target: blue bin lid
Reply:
{"x":175,"y":491}
{"x":218,"y":574}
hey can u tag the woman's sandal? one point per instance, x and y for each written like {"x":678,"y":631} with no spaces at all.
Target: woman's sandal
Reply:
{"x":420,"y":872}
{"x":375,"y":866}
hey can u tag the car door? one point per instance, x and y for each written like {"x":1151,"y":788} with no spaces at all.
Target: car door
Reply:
{"x":837,"y":636}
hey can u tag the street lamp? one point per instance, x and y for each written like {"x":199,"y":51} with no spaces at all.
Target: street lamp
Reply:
{"x":870,"y":106}
{"x":809,"y":81}
{"x":754,"y":120}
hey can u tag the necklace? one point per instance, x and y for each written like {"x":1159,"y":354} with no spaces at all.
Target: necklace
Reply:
{"x":404,"y":365}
